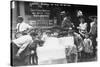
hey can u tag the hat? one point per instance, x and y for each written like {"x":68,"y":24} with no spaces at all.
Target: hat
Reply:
{"x":20,"y":17}
{"x":63,"y":12}
{"x":92,"y":17}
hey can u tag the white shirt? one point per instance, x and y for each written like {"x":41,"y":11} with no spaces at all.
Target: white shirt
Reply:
{"x":83,"y":26}
{"x":92,"y":24}
{"x":23,"y":26}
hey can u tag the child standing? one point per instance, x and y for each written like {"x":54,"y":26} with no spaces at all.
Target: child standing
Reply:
{"x":87,"y":46}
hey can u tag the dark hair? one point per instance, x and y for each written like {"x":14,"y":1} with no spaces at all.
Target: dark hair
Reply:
{"x":81,"y":18}
{"x":33,"y":34}
{"x":20,"y":18}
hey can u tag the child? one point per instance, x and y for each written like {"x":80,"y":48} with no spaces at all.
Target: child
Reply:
{"x":87,"y":44}
{"x":82,"y":27}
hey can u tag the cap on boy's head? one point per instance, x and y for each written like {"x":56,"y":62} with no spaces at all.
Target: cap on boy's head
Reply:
{"x":20,"y":17}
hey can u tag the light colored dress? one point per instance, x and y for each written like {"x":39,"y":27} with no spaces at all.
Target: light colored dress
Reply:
{"x":83,"y":28}
{"x":88,"y":48}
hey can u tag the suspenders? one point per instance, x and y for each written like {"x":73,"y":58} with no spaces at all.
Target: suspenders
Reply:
{"x":18,"y":27}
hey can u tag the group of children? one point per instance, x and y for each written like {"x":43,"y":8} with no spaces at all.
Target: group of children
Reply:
{"x":88,"y":38}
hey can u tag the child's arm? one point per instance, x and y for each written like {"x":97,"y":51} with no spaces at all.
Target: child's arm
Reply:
{"x":90,"y":42}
